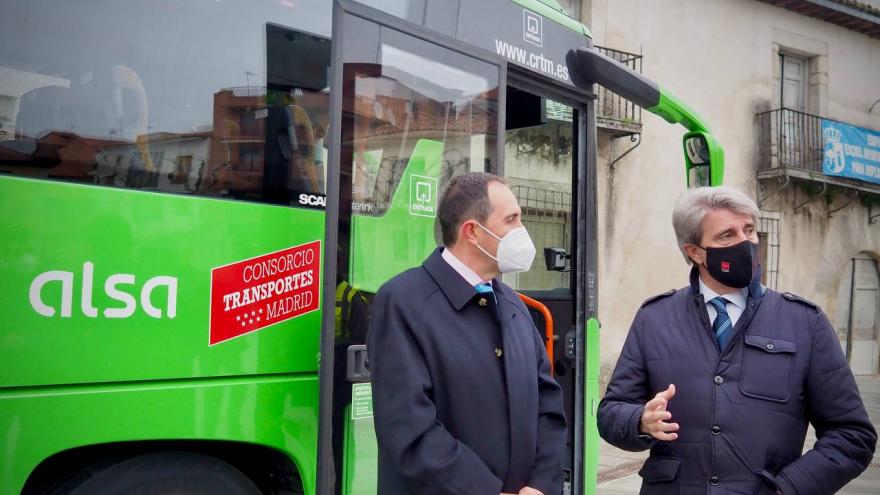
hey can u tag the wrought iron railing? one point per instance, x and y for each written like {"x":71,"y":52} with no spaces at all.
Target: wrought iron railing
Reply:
{"x":790,"y":139}
{"x":241,"y":91}
{"x":611,"y":106}
{"x":545,"y":201}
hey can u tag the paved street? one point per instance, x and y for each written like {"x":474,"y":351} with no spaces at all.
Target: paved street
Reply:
{"x":618,"y":468}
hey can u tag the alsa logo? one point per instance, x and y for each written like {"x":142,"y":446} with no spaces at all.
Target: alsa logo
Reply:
{"x":313,"y":200}
{"x":120,"y":287}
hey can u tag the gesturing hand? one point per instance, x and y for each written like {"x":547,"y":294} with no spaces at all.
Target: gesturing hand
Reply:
{"x":655,"y":416}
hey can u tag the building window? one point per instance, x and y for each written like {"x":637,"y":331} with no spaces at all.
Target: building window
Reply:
{"x":768,"y":242}
{"x":794,"y":72}
{"x":800,"y":72}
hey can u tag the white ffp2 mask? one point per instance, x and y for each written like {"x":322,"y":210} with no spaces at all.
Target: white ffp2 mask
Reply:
{"x":516,"y":251}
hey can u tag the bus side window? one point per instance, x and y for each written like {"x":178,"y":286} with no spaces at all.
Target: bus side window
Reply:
{"x":170,"y":110}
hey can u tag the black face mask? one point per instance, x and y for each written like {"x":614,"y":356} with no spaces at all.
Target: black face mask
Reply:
{"x":733,"y":266}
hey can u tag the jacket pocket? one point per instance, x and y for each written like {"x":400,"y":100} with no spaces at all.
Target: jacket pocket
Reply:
{"x":767,"y":367}
{"x":660,"y":469}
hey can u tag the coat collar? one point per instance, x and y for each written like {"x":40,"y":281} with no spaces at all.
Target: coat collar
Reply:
{"x":456,"y":289}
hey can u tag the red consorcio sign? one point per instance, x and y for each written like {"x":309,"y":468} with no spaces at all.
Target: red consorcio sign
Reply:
{"x":260,"y":292}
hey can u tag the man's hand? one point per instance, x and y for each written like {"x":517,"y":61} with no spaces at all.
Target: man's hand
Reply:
{"x":655,"y":415}
{"x":529,"y":491}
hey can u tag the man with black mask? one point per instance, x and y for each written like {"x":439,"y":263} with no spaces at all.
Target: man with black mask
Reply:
{"x":720,"y":379}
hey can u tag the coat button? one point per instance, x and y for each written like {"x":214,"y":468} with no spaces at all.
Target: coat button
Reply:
{"x":714,"y":480}
{"x":716,"y":430}
{"x":483,"y":302}
{"x":770,"y":347}
{"x":718,"y":380}
{"x":498,"y":352}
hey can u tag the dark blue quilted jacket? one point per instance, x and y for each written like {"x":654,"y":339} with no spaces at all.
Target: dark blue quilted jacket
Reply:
{"x":743,"y":412}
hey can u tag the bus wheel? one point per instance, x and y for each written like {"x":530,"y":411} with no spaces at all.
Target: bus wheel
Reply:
{"x":165,"y":473}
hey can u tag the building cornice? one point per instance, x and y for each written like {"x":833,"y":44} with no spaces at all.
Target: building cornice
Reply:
{"x":850,"y":14}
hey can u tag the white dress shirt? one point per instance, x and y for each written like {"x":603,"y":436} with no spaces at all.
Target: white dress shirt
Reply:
{"x":469,"y":275}
{"x":735,"y":306}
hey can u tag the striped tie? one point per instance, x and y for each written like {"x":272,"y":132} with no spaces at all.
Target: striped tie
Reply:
{"x":722,"y":323}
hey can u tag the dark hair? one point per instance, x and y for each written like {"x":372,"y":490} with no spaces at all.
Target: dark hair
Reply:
{"x":466,"y":197}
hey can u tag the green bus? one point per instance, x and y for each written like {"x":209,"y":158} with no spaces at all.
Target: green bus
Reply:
{"x":200,"y":199}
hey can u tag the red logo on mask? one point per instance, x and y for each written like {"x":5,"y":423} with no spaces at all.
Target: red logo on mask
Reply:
{"x":725,"y":267}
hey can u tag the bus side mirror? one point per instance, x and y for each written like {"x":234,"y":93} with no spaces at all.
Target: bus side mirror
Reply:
{"x":555,"y":259}
{"x":704,"y":159}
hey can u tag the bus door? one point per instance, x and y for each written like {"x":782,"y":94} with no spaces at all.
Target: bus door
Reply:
{"x":545,"y":164}
{"x":413,"y":110}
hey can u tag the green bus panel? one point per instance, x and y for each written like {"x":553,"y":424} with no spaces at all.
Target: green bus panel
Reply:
{"x":403,"y":237}
{"x":591,"y":407}
{"x":60,"y":227}
{"x":278,"y":412}
{"x":106,"y":320}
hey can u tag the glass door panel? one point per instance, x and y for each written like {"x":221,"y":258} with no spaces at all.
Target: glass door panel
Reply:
{"x":540,"y":157}
{"x":414,"y":115}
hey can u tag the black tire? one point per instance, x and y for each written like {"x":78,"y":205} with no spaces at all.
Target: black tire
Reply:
{"x":168,"y":473}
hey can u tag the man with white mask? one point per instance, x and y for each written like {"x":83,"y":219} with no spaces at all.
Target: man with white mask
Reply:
{"x":463,"y":399}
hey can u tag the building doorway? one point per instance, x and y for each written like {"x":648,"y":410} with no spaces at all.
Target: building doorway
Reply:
{"x":858,"y":322}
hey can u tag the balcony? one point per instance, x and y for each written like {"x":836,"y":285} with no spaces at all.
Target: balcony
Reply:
{"x":791,"y":148}
{"x":616,"y":115}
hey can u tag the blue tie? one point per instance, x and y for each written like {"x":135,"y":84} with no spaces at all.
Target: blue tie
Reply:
{"x":722,"y":324}
{"x":485,"y":288}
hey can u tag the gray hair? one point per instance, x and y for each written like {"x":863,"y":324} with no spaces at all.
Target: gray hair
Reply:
{"x":691,"y":207}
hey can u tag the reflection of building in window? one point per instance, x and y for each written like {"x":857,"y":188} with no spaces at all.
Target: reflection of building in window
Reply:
{"x":55,"y":154}
{"x":251,"y":159}
{"x":182,"y":169}
{"x":236,"y":130}
{"x":7,"y":116}
{"x":140,"y":176}
{"x":391,"y":120}
{"x":250,"y":126}
{"x":264,"y":144}
{"x":550,"y":143}
{"x":164,"y":161}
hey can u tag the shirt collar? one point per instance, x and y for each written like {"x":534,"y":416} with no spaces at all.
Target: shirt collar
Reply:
{"x":456,"y":289}
{"x":737,"y":297}
{"x":755,"y":290}
{"x":469,"y":275}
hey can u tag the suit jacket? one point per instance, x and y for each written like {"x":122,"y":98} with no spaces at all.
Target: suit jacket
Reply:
{"x":743,"y":410}
{"x":463,"y":399}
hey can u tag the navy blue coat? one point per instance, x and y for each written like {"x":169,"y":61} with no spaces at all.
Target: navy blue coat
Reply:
{"x":451,"y":416}
{"x":743,"y":412}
